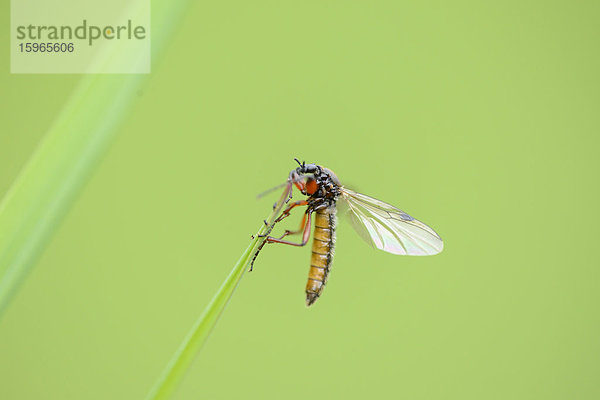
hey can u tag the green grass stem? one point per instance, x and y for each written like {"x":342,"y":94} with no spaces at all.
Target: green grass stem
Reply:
{"x":192,"y":343}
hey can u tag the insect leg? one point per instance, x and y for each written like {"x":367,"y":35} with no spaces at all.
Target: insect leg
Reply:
{"x":305,"y":234}
{"x":269,"y":239}
{"x":286,"y":213}
{"x":300,"y":229}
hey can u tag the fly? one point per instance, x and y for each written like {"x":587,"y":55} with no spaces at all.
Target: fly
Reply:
{"x":381,"y":225}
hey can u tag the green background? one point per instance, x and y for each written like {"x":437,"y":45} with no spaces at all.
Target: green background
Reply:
{"x":479,"y":118}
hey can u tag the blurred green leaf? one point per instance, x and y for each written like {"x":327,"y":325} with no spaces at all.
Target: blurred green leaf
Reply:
{"x":44,"y":191}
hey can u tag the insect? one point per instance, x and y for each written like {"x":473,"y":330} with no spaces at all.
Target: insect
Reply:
{"x":380,"y":224}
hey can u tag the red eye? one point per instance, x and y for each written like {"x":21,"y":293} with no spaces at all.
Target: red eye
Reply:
{"x":311,"y":186}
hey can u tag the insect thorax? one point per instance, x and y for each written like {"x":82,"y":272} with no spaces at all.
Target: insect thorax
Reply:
{"x":328,"y":187}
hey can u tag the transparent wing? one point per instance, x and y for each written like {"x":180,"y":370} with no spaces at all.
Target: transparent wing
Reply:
{"x":389,"y":229}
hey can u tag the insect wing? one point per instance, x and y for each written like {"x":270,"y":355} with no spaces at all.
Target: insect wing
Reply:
{"x":388,"y":228}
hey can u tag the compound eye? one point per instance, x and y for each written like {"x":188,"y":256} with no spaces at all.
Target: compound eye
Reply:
{"x":311,"y":186}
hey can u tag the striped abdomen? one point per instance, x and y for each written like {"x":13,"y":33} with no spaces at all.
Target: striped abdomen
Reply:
{"x":322,"y":253}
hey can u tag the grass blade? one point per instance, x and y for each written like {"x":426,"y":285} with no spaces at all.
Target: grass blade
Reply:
{"x":44,"y":191}
{"x":191,"y":345}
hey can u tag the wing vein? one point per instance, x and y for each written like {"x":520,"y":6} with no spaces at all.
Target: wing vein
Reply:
{"x":389,"y":228}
